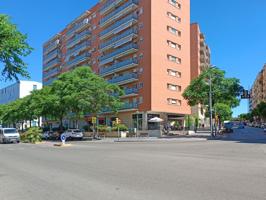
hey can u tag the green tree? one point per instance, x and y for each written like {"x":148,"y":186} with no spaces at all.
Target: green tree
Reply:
{"x":82,"y":92}
{"x":223,"y":111}
{"x":224,"y":90}
{"x":260,"y":111}
{"x":13,"y":47}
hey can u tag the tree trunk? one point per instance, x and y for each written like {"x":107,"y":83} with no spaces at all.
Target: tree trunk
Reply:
{"x":22,"y":124}
{"x":61,"y":125}
{"x":39,"y":121}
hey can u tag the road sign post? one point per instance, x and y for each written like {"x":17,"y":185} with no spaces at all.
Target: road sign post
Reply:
{"x":93,"y":121}
{"x":63,"y":139}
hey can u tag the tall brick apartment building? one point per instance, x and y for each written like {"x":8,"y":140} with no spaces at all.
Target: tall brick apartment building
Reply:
{"x":141,"y":45}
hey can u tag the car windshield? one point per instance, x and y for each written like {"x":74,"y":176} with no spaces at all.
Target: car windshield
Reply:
{"x":10,"y":131}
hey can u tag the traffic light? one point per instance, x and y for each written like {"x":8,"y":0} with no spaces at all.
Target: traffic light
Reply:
{"x":245,"y":95}
{"x":117,"y":121}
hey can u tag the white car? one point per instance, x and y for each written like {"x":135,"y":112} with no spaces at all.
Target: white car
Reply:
{"x":73,"y":134}
{"x":8,"y":135}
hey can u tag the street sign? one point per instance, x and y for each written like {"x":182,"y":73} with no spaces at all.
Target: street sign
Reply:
{"x":63,"y":138}
{"x":94,"y":120}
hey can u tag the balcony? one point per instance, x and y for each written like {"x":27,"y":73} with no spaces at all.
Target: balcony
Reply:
{"x":126,"y":64}
{"x":77,"y":27}
{"x":53,"y":54}
{"x":123,"y":51}
{"x":51,"y":64}
{"x":120,"y":25}
{"x":51,"y":47}
{"x":125,"y":107}
{"x":51,"y":73}
{"x":109,"y":5}
{"x":119,"y":12}
{"x":49,"y":81}
{"x":77,"y":60}
{"x":78,"y":49}
{"x":118,"y":39}
{"x":78,"y":38}
{"x":124,"y":79}
{"x":129,"y":106}
{"x":129,"y":92}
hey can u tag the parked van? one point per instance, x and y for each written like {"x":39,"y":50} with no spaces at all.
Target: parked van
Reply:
{"x":8,"y":135}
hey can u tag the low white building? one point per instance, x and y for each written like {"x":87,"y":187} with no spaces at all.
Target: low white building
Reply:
{"x":19,"y":90}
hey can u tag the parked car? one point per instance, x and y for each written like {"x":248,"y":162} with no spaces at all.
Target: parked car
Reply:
{"x":9,"y":135}
{"x":241,"y":126}
{"x":73,"y":134}
{"x":47,"y":135}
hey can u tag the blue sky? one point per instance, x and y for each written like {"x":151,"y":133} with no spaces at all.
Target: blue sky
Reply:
{"x":235,"y":31}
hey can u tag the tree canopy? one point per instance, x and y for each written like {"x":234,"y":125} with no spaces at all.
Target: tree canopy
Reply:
{"x":75,"y":94}
{"x":224,"y":90}
{"x":13,"y":46}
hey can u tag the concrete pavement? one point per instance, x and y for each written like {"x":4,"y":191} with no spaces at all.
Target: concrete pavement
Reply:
{"x":184,"y":170}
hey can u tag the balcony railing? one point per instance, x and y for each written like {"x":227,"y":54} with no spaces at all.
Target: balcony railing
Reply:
{"x":124,"y":79}
{"x":109,"y":5}
{"x":78,"y":48}
{"x":78,"y":38}
{"x":125,"y":50}
{"x":51,"y":47}
{"x":51,"y":64}
{"x":50,"y":56}
{"x":125,"y":106}
{"x":130,"y":91}
{"x":129,"y":106}
{"x":118,"y":66}
{"x":121,"y":10}
{"x":110,"y":30}
{"x":49,"y":81}
{"x":76,"y":27}
{"x":115,"y":39}
{"x":78,"y":59}
{"x":51,"y":72}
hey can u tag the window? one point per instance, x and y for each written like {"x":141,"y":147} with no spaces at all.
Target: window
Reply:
{"x":174,"y":73}
{"x":174,"y":17}
{"x":34,"y":87}
{"x":174,"y":45}
{"x":173,"y":87}
{"x":175,"y":3}
{"x":174,"y":59}
{"x":174,"y":102}
{"x":140,"y":100}
{"x":174,"y":31}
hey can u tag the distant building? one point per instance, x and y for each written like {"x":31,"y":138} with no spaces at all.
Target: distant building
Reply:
{"x":200,"y":56}
{"x":258,"y":91}
{"x":18,"y":90}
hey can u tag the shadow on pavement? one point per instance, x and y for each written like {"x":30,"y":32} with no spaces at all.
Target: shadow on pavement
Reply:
{"x":247,"y":135}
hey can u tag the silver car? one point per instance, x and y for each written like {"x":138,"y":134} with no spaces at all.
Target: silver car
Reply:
{"x":73,"y":134}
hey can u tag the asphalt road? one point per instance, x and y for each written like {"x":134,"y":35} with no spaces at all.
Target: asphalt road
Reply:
{"x":229,"y":169}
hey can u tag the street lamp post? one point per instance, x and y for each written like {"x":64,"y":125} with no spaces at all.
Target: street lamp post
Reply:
{"x":210,"y":101}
